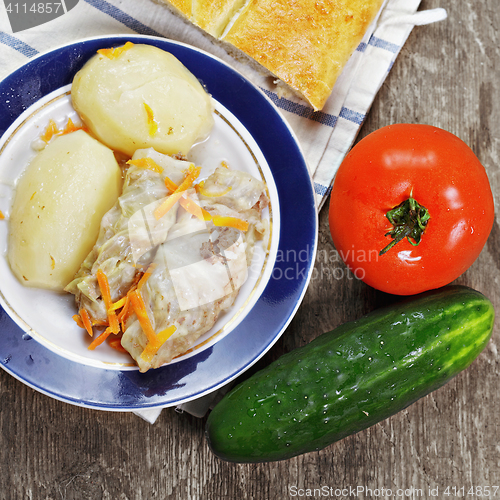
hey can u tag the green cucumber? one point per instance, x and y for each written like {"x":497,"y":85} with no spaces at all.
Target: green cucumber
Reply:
{"x":352,"y":377}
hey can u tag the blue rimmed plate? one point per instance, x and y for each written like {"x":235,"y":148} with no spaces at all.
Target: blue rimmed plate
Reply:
{"x":271,"y":150}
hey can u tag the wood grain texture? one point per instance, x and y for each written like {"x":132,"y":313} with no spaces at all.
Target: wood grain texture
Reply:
{"x":446,"y":75}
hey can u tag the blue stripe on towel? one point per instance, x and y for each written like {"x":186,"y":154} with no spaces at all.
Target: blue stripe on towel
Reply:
{"x":352,"y":116}
{"x":301,"y":110}
{"x":16,"y":44}
{"x":383,"y":44}
{"x":379,"y":43}
{"x":361,"y":47}
{"x":321,"y":190}
{"x":123,"y":17}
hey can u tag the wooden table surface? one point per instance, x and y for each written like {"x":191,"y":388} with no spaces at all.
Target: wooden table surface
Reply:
{"x":446,"y":75}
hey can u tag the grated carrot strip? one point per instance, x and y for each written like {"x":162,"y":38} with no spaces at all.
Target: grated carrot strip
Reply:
{"x":170,"y":185}
{"x":99,"y":340}
{"x":240,"y":224}
{"x":153,"y":126}
{"x":142,"y":315}
{"x":192,"y":207}
{"x":118,"y":304}
{"x":126,"y":302}
{"x":162,"y":209}
{"x":206,"y":215}
{"x":151,"y":349}
{"x":50,"y":131}
{"x":148,"y":163}
{"x":145,"y":276}
{"x":125,"y":312}
{"x":126,"y":316}
{"x":2,"y":216}
{"x":116,"y":343}
{"x":114,"y":52}
{"x":165,"y":206}
{"x":98,"y":322}
{"x":102,"y":280}
{"x":70,"y":127}
{"x":84,"y":315}
{"x":78,"y":320}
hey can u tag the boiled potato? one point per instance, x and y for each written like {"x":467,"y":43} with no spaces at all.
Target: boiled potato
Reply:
{"x":59,"y":203}
{"x":139,"y":96}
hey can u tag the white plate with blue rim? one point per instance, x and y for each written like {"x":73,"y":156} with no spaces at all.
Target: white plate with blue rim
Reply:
{"x":42,"y":346}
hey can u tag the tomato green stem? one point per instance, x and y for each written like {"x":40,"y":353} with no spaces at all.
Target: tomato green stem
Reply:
{"x":409,"y":220}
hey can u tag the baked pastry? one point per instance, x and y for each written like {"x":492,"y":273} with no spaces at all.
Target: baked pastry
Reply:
{"x":305,"y":44}
{"x":211,"y":16}
{"x":214,"y":16}
{"x":182,"y":7}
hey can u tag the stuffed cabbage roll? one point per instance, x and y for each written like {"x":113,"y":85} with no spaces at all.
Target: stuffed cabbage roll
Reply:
{"x":170,"y":258}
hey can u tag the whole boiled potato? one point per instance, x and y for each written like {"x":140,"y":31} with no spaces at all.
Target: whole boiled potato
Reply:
{"x":59,"y":203}
{"x":139,"y":96}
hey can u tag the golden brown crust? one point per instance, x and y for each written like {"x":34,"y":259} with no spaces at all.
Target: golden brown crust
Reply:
{"x":305,"y":43}
{"x":214,"y":15}
{"x":182,"y":7}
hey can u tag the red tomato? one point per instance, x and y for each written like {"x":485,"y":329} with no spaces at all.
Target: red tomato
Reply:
{"x":452,"y":212}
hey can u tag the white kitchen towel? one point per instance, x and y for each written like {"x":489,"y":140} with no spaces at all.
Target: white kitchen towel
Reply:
{"x":325,"y":136}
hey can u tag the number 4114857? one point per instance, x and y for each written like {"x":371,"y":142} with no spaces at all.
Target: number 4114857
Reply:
{"x":478,"y":491}
{"x":37,"y":8}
